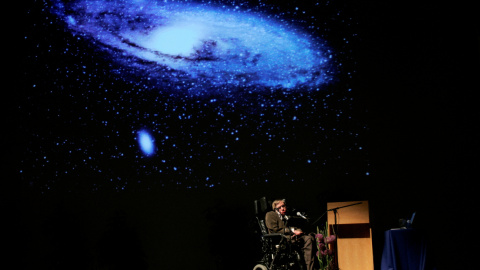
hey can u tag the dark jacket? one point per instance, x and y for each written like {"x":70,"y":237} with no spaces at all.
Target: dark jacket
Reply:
{"x":275,"y":224}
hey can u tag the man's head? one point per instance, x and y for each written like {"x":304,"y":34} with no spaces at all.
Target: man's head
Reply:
{"x":280,"y":206}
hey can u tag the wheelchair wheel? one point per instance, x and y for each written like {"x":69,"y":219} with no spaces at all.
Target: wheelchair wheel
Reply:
{"x":260,"y":267}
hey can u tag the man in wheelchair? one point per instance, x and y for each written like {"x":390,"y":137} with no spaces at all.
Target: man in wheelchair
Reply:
{"x":290,"y":243}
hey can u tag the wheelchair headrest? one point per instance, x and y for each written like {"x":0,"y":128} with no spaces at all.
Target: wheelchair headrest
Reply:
{"x":261,"y":206}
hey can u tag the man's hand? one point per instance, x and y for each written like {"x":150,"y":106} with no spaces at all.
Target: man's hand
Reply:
{"x":298,"y":232}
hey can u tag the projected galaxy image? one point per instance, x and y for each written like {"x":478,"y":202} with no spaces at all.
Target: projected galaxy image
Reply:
{"x":188,"y":94}
{"x":200,"y":43}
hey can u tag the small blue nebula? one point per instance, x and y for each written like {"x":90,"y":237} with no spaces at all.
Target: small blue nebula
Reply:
{"x":146,"y":143}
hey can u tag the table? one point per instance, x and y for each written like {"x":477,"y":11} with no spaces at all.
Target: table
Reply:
{"x":404,"y":249}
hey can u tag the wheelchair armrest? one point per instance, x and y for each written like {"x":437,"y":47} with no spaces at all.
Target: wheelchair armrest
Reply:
{"x":273,"y":235}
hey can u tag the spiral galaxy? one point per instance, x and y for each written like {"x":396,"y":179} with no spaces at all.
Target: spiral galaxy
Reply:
{"x":203,"y":45}
{"x":193,"y":94}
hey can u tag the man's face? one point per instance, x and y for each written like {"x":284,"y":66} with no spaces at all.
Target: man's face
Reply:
{"x":282,"y":208}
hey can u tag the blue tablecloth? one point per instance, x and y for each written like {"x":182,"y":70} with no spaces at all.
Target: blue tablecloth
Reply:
{"x":404,"y":249}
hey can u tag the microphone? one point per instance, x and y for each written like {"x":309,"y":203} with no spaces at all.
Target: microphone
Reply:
{"x":302,"y":216}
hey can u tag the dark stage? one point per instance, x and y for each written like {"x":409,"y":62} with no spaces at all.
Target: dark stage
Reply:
{"x":129,"y":155}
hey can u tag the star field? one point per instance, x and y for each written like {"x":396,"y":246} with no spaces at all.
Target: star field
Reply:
{"x":84,"y":111}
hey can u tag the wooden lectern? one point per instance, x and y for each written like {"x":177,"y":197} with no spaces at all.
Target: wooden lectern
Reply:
{"x":354,"y":235}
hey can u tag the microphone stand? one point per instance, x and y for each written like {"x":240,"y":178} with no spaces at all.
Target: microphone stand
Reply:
{"x":335,"y":213}
{"x":335,"y":228}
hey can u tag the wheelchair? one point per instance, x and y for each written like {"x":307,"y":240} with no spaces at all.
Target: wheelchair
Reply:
{"x":278,"y":251}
